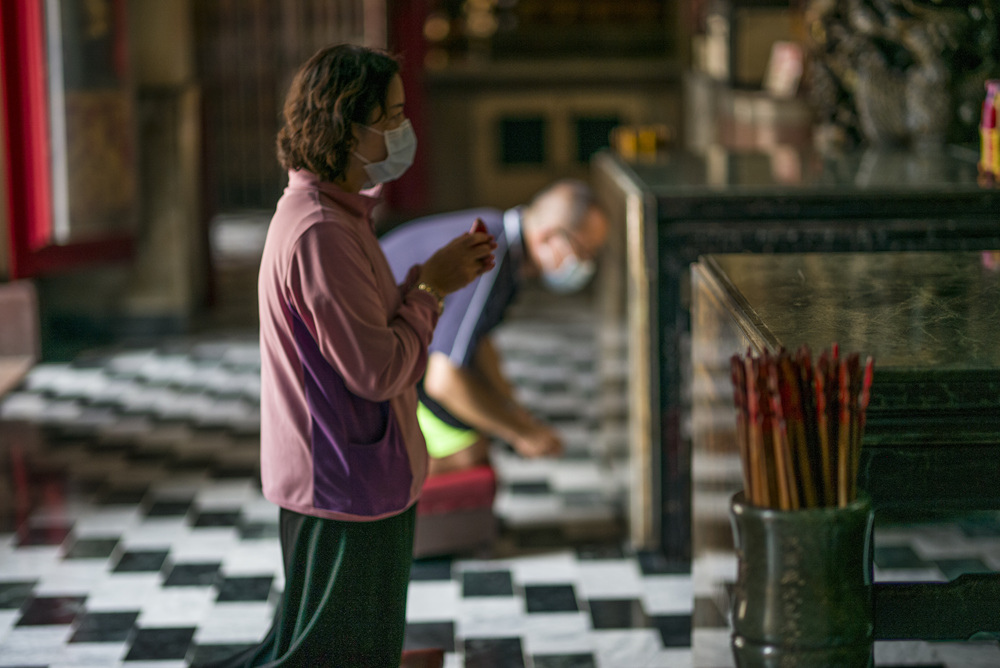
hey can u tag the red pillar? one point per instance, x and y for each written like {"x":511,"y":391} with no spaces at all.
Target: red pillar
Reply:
{"x":407,"y":197}
{"x":25,"y":100}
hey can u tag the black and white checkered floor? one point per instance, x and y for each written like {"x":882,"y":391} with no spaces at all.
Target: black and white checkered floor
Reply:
{"x":133,"y":532}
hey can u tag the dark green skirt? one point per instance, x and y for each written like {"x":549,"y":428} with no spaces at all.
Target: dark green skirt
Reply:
{"x":344,"y":602}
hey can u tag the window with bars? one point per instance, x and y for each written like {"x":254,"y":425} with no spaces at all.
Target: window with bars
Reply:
{"x":248,"y":51}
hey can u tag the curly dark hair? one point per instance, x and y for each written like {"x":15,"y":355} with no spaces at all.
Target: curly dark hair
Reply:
{"x":339,"y":86}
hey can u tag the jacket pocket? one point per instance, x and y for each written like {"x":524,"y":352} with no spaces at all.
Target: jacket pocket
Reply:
{"x":380,"y":475}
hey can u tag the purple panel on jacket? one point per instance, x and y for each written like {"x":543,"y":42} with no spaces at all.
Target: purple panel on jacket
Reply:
{"x":360,"y":464}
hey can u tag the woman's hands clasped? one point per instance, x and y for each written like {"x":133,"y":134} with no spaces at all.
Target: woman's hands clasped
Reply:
{"x":460,"y":261}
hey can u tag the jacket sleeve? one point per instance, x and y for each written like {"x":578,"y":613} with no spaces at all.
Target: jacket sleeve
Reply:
{"x":411,"y":280}
{"x":335,"y":291}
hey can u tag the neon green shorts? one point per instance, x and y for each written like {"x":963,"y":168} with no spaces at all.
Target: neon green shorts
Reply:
{"x":442,"y":438}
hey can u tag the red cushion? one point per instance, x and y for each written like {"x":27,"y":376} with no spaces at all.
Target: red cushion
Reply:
{"x":458,"y":490}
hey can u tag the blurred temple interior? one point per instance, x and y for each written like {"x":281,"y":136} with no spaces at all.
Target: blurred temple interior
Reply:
{"x":775,"y":173}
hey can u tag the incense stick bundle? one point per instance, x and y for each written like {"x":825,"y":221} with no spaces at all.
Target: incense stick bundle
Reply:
{"x":742,"y":429}
{"x":800,"y":425}
{"x":784,"y":476}
{"x":843,"y":435}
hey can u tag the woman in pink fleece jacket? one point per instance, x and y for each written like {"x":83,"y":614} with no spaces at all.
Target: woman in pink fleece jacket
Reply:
{"x":342,"y":348}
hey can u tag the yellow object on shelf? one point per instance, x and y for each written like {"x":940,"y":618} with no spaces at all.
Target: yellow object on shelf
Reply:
{"x":990,"y":151}
{"x":641,"y":142}
{"x":989,"y":157}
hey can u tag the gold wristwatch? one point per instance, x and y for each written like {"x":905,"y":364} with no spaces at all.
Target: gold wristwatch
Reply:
{"x":433,"y":293}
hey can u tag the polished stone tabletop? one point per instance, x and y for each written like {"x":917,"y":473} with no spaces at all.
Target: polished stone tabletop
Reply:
{"x":787,"y":170}
{"x":791,"y":184}
{"x":935,"y":312}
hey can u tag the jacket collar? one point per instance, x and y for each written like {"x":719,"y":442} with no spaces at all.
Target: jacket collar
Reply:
{"x":356,"y":204}
{"x":513,"y":225}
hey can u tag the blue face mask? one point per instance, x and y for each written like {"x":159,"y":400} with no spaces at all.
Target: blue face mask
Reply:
{"x":401,"y":146}
{"x":572,"y":275}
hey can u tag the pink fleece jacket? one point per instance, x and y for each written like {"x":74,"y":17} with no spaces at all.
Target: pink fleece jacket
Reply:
{"x":342,"y":348}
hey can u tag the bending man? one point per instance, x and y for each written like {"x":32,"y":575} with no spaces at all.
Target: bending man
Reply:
{"x":464,"y":398}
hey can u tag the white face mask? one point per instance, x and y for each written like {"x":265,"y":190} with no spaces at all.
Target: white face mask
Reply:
{"x":571,"y":275}
{"x":401,"y":146}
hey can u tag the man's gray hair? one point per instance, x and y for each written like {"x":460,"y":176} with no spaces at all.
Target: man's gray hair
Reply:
{"x":577,"y":197}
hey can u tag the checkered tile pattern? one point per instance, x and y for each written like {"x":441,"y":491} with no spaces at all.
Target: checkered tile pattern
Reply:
{"x":133,"y":532}
{"x":550,"y":354}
